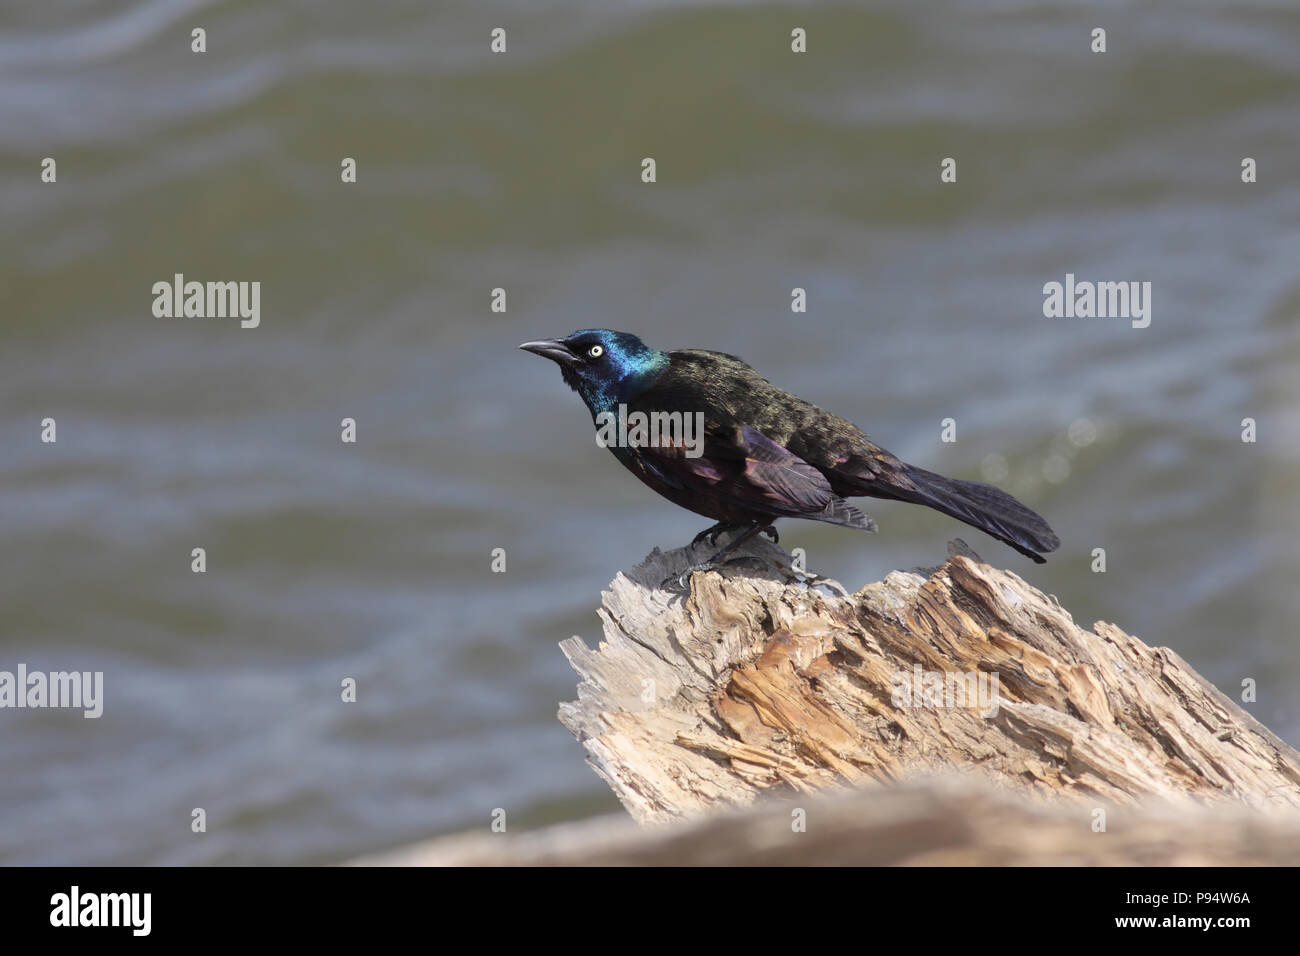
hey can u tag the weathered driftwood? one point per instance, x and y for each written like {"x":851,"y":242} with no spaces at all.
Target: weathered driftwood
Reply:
{"x":762,"y":680}
{"x":949,"y":822}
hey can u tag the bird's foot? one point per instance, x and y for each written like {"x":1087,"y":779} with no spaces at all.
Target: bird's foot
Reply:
{"x":713,"y":532}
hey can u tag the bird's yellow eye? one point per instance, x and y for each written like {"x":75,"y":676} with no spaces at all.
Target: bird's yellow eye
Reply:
{"x":595,"y":351}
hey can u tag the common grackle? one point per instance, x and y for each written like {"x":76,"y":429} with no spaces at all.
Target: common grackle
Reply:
{"x":765,"y":454}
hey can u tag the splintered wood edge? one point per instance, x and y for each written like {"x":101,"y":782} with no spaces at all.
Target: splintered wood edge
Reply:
{"x":765,"y":679}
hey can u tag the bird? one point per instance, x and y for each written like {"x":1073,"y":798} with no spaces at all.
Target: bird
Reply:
{"x":764,"y":453}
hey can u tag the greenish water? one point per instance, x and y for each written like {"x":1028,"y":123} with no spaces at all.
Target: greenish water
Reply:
{"x":371,"y":560}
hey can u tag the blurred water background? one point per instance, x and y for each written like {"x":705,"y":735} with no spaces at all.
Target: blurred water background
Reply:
{"x":328,"y":560}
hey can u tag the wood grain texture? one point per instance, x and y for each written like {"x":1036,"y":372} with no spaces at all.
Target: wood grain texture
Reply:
{"x":764,"y":681}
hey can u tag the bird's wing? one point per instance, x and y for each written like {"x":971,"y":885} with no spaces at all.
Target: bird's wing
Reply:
{"x":742,"y":465}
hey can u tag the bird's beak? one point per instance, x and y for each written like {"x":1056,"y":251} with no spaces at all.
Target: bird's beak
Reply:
{"x":553,"y":349}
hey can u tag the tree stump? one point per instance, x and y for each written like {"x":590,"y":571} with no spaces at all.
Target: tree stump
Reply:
{"x":762,"y":679}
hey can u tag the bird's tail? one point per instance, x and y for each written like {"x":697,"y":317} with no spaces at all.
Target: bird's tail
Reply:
{"x":982,"y":506}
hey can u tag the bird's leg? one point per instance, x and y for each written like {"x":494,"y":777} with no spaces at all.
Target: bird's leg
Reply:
{"x":717,"y":560}
{"x":735,"y":542}
{"x":713,"y":531}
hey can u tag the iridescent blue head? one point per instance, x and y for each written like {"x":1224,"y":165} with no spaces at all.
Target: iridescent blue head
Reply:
{"x":603,"y":366}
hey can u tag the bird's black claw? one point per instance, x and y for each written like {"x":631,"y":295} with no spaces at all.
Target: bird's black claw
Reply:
{"x":770,"y":531}
{"x":713,"y":532}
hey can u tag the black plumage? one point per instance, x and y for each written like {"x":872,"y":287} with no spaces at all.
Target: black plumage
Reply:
{"x":767,"y":454}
